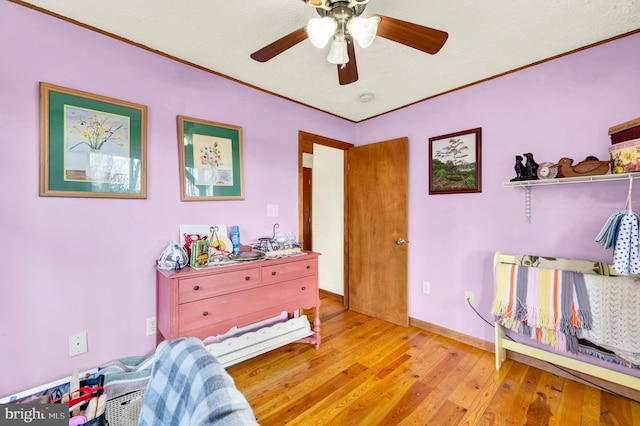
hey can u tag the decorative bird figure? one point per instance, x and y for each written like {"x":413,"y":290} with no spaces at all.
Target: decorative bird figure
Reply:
{"x":531,"y":167}
{"x":519,"y":168}
{"x":590,"y":166}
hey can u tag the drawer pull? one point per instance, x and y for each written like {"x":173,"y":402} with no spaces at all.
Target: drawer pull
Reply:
{"x":308,"y":266}
{"x":304,"y":288}
{"x":247,"y":278}
{"x":273,"y":273}
{"x":205,"y":313}
{"x":196,"y":288}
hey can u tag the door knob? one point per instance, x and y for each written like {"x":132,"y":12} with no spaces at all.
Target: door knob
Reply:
{"x":400,"y":241}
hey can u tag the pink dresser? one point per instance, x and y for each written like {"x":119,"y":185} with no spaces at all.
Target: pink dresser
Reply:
{"x":208,"y":302}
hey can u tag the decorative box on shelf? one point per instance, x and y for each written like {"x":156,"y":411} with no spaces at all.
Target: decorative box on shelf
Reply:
{"x":625,"y":156}
{"x":625,"y":131}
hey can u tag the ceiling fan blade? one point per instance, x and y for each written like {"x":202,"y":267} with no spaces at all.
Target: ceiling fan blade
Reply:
{"x":348,"y":73}
{"x":277,"y":47}
{"x":426,"y":39}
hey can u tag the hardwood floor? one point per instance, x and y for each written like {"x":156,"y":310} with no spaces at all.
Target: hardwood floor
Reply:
{"x":370,"y":372}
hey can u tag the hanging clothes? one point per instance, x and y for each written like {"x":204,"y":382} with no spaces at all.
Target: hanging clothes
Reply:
{"x":609,"y":232}
{"x":625,"y":255}
{"x":620,"y":233}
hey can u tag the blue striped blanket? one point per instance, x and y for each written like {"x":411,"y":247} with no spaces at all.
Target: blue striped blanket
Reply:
{"x":188,"y":386}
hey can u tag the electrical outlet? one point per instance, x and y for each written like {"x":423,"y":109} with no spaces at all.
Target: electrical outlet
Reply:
{"x":468,"y":297}
{"x":78,"y":344}
{"x":426,"y":287}
{"x":151,"y":326}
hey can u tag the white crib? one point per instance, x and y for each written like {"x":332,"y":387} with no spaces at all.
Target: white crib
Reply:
{"x":503,"y":343}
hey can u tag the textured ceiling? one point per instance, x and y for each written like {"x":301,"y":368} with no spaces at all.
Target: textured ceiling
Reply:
{"x":486,"y":38}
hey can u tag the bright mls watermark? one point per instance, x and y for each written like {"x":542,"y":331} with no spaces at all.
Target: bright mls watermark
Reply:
{"x":34,"y":414}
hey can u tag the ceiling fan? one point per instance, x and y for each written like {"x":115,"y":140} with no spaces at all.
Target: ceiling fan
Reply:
{"x":340,"y":22}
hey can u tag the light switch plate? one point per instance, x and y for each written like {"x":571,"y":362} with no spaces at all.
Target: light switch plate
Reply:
{"x":272,"y":210}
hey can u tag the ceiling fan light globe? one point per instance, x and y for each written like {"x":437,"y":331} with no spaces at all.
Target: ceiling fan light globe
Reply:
{"x":363,"y":30}
{"x":320,"y":30}
{"x":338,"y":53}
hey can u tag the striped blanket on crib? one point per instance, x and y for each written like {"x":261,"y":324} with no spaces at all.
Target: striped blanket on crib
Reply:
{"x":548,"y":305}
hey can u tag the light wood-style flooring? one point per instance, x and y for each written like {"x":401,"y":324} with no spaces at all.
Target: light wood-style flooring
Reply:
{"x":370,"y":372}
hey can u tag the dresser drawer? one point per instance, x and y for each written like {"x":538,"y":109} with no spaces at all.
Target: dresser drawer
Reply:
{"x":290,"y":270}
{"x":205,"y":286}
{"x":219,"y":313}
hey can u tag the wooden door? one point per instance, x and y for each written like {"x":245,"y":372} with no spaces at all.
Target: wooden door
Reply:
{"x":378,"y":229}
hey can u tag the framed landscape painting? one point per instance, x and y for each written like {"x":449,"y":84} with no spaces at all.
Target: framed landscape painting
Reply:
{"x":91,"y":145}
{"x":455,"y":162}
{"x":210,"y":160}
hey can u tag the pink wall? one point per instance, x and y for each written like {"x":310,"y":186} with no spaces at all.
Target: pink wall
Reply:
{"x":560,"y":108}
{"x":76,"y":264}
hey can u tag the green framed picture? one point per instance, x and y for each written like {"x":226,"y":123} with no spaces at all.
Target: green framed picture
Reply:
{"x":91,"y":145}
{"x":455,"y":162}
{"x":210,"y":160}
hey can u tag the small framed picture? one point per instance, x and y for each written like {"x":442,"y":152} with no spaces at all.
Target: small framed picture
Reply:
{"x":455,"y":162}
{"x":210,"y":160}
{"x":91,"y":145}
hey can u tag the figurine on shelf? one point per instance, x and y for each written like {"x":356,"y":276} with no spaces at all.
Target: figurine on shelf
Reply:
{"x":531,"y":167}
{"x":590,"y":166}
{"x":520,"y":170}
{"x":526,"y":171}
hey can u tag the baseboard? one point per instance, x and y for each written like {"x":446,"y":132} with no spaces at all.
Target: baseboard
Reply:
{"x":527,"y":360}
{"x":330,"y":295}
{"x":453,"y":335}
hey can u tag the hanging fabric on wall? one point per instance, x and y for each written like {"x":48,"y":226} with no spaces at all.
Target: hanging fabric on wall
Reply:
{"x":625,"y":255}
{"x":620,"y":233}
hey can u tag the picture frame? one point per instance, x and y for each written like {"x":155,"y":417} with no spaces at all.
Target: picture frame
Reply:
{"x":91,"y":145}
{"x":199,"y":253}
{"x":211,"y":163}
{"x":455,"y":162}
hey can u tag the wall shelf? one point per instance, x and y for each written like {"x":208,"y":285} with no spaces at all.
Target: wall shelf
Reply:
{"x":527,"y":184}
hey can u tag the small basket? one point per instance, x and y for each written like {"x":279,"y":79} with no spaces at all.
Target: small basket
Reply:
{"x":125,"y":410}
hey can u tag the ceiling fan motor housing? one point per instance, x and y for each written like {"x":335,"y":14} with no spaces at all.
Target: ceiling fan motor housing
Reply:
{"x":342,"y":10}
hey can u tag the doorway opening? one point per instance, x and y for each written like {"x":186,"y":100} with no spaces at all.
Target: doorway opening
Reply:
{"x":322,"y":213}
